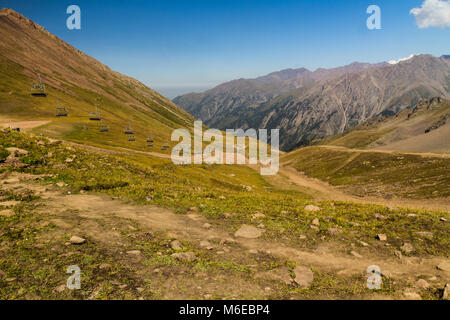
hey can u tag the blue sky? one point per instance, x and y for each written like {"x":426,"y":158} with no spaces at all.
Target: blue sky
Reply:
{"x":175,"y":46}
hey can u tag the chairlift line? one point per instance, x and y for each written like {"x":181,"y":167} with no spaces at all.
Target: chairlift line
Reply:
{"x":128,"y":130}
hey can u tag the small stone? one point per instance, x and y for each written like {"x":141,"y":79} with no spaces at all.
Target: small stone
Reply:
{"x":207,"y":226}
{"x":382,"y":237}
{"x":60,"y":288}
{"x":355,"y":254}
{"x":303,"y":276}
{"x":334,"y":231}
{"x":379,"y":216}
{"x":443,"y":220}
{"x":205,"y":244}
{"x":422,"y":284}
{"x":411,"y":294}
{"x":316,"y":228}
{"x":134,"y":252}
{"x":77,"y":240}
{"x":149,"y":198}
{"x":222,"y":198}
{"x":302,"y":237}
{"x":105,"y":266}
{"x":407,"y":248}
{"x":316,"y":222}
{"x":207,"y":296}
{"x":227,"y":241}
{"x":248,"y":232}
{"x":398,"y":254}
{"x":253,"y":251}
{"x":176,"y":245}
{"x":444,"y":266}
{"x":311,"y":208}
{"x":184,"y":256}
{"x":61,"y":184}
{"x":258,"y":215}
{"x":69,"y":160}
{"x":139,"y":289}
{"x":444,"y":295}
{"x":364,"y":244}
{"x":425,"y":234}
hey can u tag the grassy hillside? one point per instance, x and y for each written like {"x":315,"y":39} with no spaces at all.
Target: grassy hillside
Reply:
{"x":374,"y":173}
{"x":34,"y":234}
{"x":79,"y":82}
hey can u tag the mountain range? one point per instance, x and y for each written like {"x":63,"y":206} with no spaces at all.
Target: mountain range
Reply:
{"x":307,"y":105}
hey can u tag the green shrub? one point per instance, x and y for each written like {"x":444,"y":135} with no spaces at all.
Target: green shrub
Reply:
{"x":3,"y":154}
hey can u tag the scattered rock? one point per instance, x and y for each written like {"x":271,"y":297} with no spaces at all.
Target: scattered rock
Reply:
{"x":425,"y":234}
{"x":149,"y":198}
{"x":77,"y":240}
{"x":258,"y":215}
{"x":61,"y":184}
{"x":444,"y":266}
{"x":315,"y":222}
{"x":379,"y":216}
{"x":311,"y":208}
{"x":60,"y":288}
{"x":364,"y":244}
{"x":444,"y":295}
{"x":60,"y":166}
{"x":443,"y":220}
{"x":69,"y":160}
{"x":412,"y":215}
{"x":316,"y":228}
{"x":398,"y":254}
{"x":184,"y":256}
{"x":139,"y":289}
{"x":382,"y":237}
{"x":248,"y":232}
{"x":302,"y":237}
{"x":253,"y":251}
{"x":411,"y":294}
{"x":134,"y":252}
{"x":105,"y":266}
{"x":6,"y":213}
{"x":17,"y":152}
{"x":222,"y":198}
{"x":407,"y":248}
{"x":422,"y":284}
{"x":206,"y":244}
{"x":227,"y":241}
{"x":207,"y":226}
{"x":355,"y":254}
{"x":334,"y":231}
{"x":303,"y":276}
{"x":176,"y":245}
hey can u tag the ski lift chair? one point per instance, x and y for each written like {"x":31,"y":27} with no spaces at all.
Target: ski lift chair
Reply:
{"x":128,"y":130}
{"x":95,"y":115}
{"x":61,"y":111}
{"x":38,"y":89}
{"x":104,"y":127}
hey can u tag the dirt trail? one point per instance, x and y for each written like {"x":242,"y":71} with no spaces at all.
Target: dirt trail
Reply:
{"x":323,"y":191}
{"x":399,"y":152}
{"x":23,"y":125}
{"x":191,"y":227}
{"x":316,"y":188}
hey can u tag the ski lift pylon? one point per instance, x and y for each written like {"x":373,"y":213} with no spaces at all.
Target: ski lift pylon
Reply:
{"x":129,"y":130}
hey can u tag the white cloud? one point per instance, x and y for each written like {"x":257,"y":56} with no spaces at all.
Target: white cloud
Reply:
{"x":433,"y":13}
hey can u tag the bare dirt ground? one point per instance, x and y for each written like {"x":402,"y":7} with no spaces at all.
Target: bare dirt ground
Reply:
{"x":23,"y":125}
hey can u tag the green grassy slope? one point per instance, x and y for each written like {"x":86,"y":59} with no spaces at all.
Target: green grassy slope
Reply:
{"x":376,"y":173}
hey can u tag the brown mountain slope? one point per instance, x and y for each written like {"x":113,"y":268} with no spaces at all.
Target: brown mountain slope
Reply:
{"x":80,"y":82}
{"x":423,"y":128}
